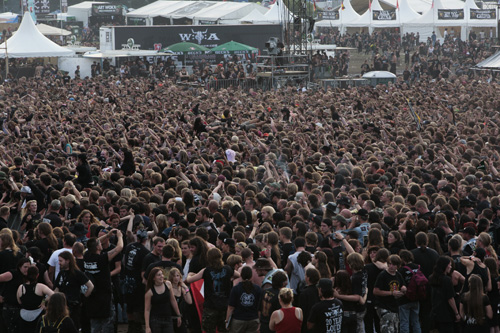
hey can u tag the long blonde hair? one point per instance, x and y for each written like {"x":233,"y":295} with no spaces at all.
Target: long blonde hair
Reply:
{"x":175,"y":244}
{"x":474,"y":307}
{"x":26,"y":208}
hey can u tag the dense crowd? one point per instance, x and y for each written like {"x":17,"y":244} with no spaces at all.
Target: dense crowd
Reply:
{"x":370,"y":209}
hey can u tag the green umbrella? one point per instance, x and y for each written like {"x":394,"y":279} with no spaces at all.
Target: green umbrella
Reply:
{"x":234,"y":47}
{"x":186,"y":48}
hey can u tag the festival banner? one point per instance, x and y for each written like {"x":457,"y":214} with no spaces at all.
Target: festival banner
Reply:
{"x":450,"y":14}
{"x":483,"y":14}
{"x":328,"y":15}
{"x":100,"y":10}
{"x":384,"y":15}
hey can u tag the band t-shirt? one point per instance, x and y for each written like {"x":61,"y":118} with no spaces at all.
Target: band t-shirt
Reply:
{"x":327,"y":316}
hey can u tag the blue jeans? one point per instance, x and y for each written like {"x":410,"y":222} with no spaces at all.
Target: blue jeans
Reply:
{"x":408,"y":313}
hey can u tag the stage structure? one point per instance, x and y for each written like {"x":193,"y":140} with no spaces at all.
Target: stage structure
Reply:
{"x":286,"y":58}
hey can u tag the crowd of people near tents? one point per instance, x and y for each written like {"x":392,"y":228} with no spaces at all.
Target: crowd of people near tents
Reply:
{"x":369,"y":209}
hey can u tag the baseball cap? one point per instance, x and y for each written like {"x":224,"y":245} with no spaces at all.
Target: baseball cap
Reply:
{"x":229,"y":241}
{"x":362,"y":212}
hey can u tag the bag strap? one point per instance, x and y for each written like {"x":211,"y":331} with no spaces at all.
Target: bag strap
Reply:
{"x":60,"y":322}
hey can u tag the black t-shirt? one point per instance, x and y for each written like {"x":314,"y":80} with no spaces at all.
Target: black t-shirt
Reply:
{"x":132,"y":260}
{"x":195,"y":265}
{"x":8,"y":260}
{"x":307,"y":298}
{"x":70,"y":284}
{"x":9,"y":293}
{"x":359,"y":281}
{"x":43,"y":245}
{"x":440,"y":294}
{"x":388,"y":282}
{"x":164,"y":265}
{"x":288,"y":248}
{"x":327,"y":316}
{"x":97,"y":269}
{"x":73,"y":212}
{"x":218,"y":285}
{"x":246,"y":305}
{"x":84,"y":174}
{"x":149,"y":259}
{"x":53,"y":219}
{"x":31,"y":220}
{"x":270,"y":303}
{"x":426,"y":258}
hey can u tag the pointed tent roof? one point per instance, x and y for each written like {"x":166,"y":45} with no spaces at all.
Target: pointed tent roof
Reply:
{"x":278,"y":12}
{"x":254,"y":17}
{"x":346,"y":15}
{"x":28,"y":42}
{"x":363,"y":21}
{"x":406,"y":12}
{"x":48,"y":30}
{"x":385,"y":23}
{"x":470,"y":4}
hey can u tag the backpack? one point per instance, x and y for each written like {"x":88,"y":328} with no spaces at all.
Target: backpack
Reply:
{"x":48,"y":327}
{"x":417,"y":287}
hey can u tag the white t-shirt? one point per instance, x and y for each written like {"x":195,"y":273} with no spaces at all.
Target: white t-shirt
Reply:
{"x":54,"y":260}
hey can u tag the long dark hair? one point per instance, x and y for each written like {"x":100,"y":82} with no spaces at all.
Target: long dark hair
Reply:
{"x":343,"y":282}
{"x":201,"y":249}
{"x":439,"y":271}
{"x":66,"y":255}
{"x":246,"y":277}
{"x":56,"y":308}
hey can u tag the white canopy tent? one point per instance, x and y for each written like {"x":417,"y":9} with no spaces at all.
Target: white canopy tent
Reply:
{"x":255,"y":17}
{"x":198,"y":11}
{"x":438,"y":18}
{"x":28,"y":42}
{"x":480,"y":18}
{"x":83,"y":10}
{"x":381,"y":18}
{"x":9,"y":17}
{"x":406,"y":12}
{"x":48,"y":30}
{"x":226,"y":12}
{"x":347,"y":14}
{"x":278,"y":13}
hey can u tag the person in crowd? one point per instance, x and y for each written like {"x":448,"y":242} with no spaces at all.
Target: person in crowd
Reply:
{"x":326,"y":316}
{"x":389,"y":290}
{"x":218,"y":283}
{"x":12,"y":280}
{"x":475,"y":307}
{"x":56,"y":317}
{"x":30,"y":296}
{"x":182,"y":296}
{"x":99,"y":305}
{"x":244,"y":302}
{"x":160,"y":304}
{"x":70,"y":280}
{"x":444,"y":312}
{"x":288,"y":318}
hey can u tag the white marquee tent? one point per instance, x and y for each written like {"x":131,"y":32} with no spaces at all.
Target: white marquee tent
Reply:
{"x":453,"y":15}
{"x":255,"y":17}
{"x":28,"y":42}
{"x":198,"y":11}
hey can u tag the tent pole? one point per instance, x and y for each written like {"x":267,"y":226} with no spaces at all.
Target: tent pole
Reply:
{"x":6,"y":60}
